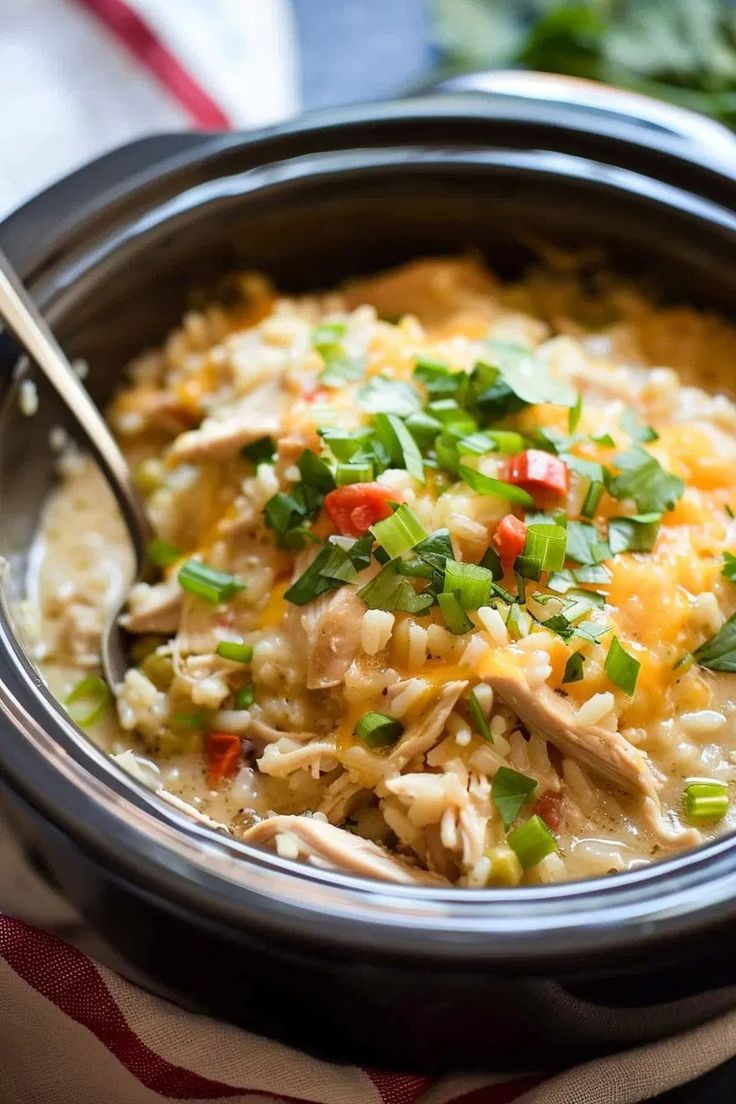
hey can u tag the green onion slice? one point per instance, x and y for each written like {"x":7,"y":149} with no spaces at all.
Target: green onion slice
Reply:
{"x":378,"y":730}
{"x":353,"y":473}
{"x":454,"y":614}
{"x":621,"y":668}
{"x":479,"y":719}
{"x":592,"y":498}
{"x":486,"y":484}
{"x":162,"y":554}
{"x":471,"y":583}
{"x":719,"y":653}
{"x":729,"y":566}
{"x":208,"y":583}
{"x":88,"y":700}
{"x":705,"y":799}
{"x":546,"y":543}
{"x":400,"y":532}
{"x":245,"y":696}
{"x":261,"y":451}
{"x":238,"y":653}
{"x":509,"y":792}
{"x":573,"y":668}
{"x":532,"y":841}
{"x":400,"y":444}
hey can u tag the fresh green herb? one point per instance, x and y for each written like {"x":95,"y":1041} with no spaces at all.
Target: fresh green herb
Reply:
{"x":317,"y":479}
{"x":400,"y":532}
{"x":719,"y":653}
{"x":492,"y":561}
{"x":261,"y":451}
{"x":532,"y":841}
{"x":633,"y":534}
{"x":192,"y":721}
{"x":378,"y":730}
{"x":729,"y":512}
{"x":386,"y":396}
{"x":245,"y":696}
{"x":88,"y":700}
{"x":604,"y":439}
{"x":573,"y":668}
{"x":162,"y":554}
{"x":344,"y":445}
{"x":621,"y":668}
{"x":238,"y":653}
{"x":584,"y":544}
{"x":706,"y":799}
{"x":510,"y":791}
{"x":526,"y":567}
{"x":642,"y":478}
{"x":528,"y":376}
{"x":479,"y":719}
{"x":327,"y":336}
{"x":389,"y":591}
{"x":546,"y":543}
{"x":632,"y":424}
{"x":400,"y":444}
{"x":339,"y":367}
{"x":333,"y":566}
{"x":455,"y":616}
{"x":423,"y":428}
{"x":438,"y":377}
{"x":206,"y":582}
{"x":573,"y":418}
{"x":470,"y":583}
{"x":487,"y":485}
{"x":729,"y":566}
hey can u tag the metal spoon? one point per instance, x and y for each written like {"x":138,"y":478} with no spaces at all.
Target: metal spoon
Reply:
{"x":23,"y":318}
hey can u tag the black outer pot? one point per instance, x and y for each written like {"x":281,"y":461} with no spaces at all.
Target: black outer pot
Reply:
{"x":356,"y":970}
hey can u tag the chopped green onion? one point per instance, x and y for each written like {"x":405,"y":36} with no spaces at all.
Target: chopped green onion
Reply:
{"x":492,"y":561}
{"x":327,"y":335}
{"x":604,"y":439}
{"x":238,"y":653}
{"x":400,"y":532}
{"x":445,"y":449}
{"x":261,"y":451}
{"x":245,"y":696}
{"x":532,"y":841}
{"x":471,"y":583}
{"x":528,"y":376}
{"x":208,"y":583}
{"x":573,"y":416}
{"x":353,"y":473}
{"x":188,"y":720}
{"x":455,"y":616}
{"x":479,"y":718}
{"x":331,"y":567}
{"x":344,"y":445}
{"x":88,"y":700}
{"x":547,"y":544}
{"x":162,"y":554}
{"x":528,"y":567}
{"x":378,"y":730}
{"x":719,"y":653}
{"x":486,"y":484}
{"x":423,"y":428}
{"x":518,"y":622}
{"x":438,"y":377}
{"x":316,"y":476}
{"x":509,"y":792}
{"x":573,"y":668}
{"x":621,"y":668}
{"x":706,"y":799}
{"x":400,"y":444}
{"x":592,"y":498}
{"x":340,"y":369}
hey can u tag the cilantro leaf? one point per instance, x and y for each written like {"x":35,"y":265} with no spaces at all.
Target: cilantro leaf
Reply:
{"x":719,"y":653}
{"x":634,"y":534}
{"x":729,"y":566}
{"x":632,"y":424}
{"x":386,"y":396}
{"x":584,"y":544}
{"x":643,"y":478}
{"x":510,"y":791}
{"x":528,"y":376}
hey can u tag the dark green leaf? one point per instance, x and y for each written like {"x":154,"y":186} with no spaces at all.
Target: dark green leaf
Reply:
{"x":633,"y":534}
{"x":510,"y":791}
{"x":719,"y":653}
{"x":642,"y":478}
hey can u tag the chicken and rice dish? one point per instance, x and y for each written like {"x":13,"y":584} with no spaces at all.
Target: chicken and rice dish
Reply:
{"x":443,"y":588}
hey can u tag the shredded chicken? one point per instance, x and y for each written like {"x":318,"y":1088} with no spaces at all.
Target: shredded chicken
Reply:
{"x":607,"y":754}
{"x":332,"y":627}
{"x":256,"y":415}
{"x":153,"y":609}
{"x":424,"y":733}
{"x":433,"y":289}
{"x":316,"y":839}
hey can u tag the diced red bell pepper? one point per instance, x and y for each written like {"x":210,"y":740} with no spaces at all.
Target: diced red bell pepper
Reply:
{"x":549,"y":808}
{"x":543,"y":475}
{"x":509,"y":539}
{"x":354,"y":508}
{"x":222,"y":751}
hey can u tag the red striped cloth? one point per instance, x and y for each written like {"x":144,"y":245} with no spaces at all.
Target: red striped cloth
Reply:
{"x":73,"y":1032}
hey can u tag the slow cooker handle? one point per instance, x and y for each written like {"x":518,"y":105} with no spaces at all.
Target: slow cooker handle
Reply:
{"x":710,"y":137}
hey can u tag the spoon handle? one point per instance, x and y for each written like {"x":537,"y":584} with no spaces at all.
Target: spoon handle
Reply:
{"x":23,"y":318}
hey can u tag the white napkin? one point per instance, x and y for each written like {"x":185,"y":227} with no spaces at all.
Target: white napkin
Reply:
{"x":72,"y":87}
